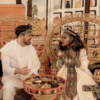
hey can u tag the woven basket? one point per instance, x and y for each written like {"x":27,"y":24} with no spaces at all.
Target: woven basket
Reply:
{"x":41,"y":92}
{"x":47,"y":97}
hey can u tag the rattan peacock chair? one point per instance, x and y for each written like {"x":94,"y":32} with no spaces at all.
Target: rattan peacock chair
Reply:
{"x":87,"y":26}
{"x":8,"y":24}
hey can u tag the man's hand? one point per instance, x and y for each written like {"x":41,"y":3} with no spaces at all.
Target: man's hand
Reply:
{"x":23,"y":71}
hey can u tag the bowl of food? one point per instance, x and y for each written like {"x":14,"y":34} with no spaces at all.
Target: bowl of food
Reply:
{"x":44,"y":85}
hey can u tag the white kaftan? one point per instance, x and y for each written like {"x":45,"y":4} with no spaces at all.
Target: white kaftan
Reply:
{"x":84,"y":77}
{"x":15,"y":56}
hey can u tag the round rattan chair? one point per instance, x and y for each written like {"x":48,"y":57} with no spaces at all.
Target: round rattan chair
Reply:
{"x":8,"y":24}
{"x":88,"y":28}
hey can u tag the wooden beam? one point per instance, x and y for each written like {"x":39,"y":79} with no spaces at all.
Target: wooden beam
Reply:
{"x":87,"y":9}
{"x":87,"y":6}
{"x":46,"y":14}
{"x":18,"y":2}
{"x":29,"y":8}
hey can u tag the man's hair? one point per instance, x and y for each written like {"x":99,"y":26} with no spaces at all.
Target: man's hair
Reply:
{"x":21,"y":29}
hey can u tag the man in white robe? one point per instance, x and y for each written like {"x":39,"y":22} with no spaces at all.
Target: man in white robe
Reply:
{"x":19,"y":61}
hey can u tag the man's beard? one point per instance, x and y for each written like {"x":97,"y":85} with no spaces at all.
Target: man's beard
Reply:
{"x":27,"y":42}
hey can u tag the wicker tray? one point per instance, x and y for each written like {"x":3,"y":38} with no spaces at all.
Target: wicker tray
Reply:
{"x":41,"y":92}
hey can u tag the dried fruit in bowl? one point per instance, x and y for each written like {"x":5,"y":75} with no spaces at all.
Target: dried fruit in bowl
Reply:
{"x":34,"y":86}
{"x":54,"y":83}
{"x":45,"y":86}
{"x":44,"y":82}
{"x":60,"y":80}
{"x":45,"y":79}
{"x":28,"y":82}
{"x":35,"y":81}
{"x":60,"y":84}
{"x":32,"y":79}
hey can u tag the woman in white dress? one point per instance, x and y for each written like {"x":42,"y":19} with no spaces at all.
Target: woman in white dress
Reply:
{"x":73,"y":65}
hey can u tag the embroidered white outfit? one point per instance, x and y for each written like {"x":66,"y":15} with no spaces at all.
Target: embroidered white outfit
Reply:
{"x":84,"y":77}
{"x":15,"y":56}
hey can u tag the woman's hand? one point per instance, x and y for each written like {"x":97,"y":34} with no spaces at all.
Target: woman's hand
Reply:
{"x":72,"y":53}
{"x":61,"y":55}
{"x":23,"y":71}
